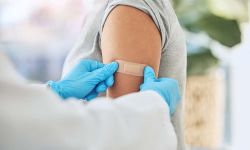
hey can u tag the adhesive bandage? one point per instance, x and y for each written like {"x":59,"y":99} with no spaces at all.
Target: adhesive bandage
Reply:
{"x":130,"y":68}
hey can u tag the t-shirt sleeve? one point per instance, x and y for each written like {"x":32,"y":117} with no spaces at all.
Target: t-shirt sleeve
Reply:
{"x":152,"y":8}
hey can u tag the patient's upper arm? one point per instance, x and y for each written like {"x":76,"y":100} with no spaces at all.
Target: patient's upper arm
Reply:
{"x":130,"y":34}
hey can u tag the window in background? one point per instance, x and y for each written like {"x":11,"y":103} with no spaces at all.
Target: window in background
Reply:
{"x":37,"y":34}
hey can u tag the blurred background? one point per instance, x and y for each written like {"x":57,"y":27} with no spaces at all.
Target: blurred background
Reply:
{"x":38,"y":34}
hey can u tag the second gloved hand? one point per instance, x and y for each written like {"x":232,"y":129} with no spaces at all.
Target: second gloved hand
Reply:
{"x":166,"y":87}
{"x":85,"y":80}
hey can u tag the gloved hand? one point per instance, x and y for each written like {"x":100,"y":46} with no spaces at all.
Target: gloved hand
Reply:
{"x":166,"y":87}
{"x":85,"y":80}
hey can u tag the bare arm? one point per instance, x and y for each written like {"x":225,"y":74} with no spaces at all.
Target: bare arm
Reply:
{"x":131,"y":35}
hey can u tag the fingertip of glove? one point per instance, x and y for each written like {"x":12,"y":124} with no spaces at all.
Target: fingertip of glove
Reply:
{"x":141,"y":87}
{"x":111,"y":67}
{"x":110,"y":81}
{"x":51,"y":84}
{"x":91,"y":97}
{"x":101,"y":88}
{"x":171,"y":113}
{"x":149,"y":73}
{"x":115,"y":65}
{"x":148,"y":68}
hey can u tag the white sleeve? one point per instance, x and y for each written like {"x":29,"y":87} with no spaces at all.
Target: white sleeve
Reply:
{"x":33,"y":118}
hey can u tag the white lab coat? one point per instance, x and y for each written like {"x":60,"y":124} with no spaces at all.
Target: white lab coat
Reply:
{"x":34,"y":118}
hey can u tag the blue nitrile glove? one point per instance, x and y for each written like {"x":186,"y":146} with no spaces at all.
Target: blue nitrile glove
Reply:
{"x":168,"y":88}
{"x":85,"y":80}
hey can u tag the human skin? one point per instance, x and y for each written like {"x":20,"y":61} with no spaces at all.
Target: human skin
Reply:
{"x":130,"y":34}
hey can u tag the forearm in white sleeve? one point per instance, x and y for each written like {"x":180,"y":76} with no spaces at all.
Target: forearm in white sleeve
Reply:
{"x":34,"y":118}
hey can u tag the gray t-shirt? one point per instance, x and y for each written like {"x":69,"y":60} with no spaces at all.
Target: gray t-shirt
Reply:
{"x":173,"y":56}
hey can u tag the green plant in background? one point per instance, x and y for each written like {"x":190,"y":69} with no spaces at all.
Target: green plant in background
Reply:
{"x":209,"y":21}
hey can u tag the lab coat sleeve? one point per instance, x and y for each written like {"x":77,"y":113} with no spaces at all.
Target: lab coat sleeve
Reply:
{"x":32,"y":117}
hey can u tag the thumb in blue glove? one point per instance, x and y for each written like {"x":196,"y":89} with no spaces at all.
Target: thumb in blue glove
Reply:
{"x":166,"y":87}
{"x":85,"y":80}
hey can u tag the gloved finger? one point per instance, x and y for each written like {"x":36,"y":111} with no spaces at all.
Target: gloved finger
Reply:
{"x":91,"y":65}
{"x":149,"y":74}
{"x":105,"y":72}
{"x":54,"y":86}
{"x":110,"y":81}
{"x":172,"y":108}
{"x":93,"y":94}
{"x":84,"y":66}
{"x":91,"y":97}
{"x":101,"y":87}
{"x":142,"y":86}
